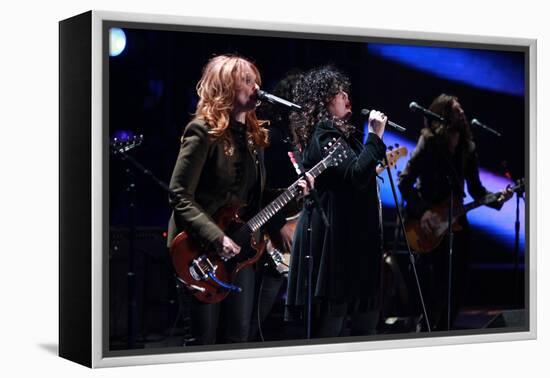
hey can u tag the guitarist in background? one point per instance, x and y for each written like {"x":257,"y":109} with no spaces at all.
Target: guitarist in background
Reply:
{"x":347,"y":254}
{"x":445,"y":155}
{"x":220,"y":162}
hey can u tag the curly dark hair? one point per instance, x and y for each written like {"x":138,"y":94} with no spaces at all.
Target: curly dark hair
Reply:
{"x":313,"y":91}
{"x":277,"y":116}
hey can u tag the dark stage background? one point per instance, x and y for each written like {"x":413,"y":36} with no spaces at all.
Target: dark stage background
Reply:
{"x":152,"y":92}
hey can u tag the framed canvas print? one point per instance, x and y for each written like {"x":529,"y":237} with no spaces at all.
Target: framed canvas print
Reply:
{"x":234,"y":189}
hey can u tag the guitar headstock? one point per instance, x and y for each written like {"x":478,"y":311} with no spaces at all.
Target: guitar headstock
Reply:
{"x":518,"y":187}
{"x":336,"y":152}
{"x":395,"y":153}
{"x":124,"y":145}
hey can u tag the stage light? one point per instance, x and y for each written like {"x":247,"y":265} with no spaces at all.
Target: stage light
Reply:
{"x":498,"y":71}
{"x":117,"y":41}
{"x":123,"y":135}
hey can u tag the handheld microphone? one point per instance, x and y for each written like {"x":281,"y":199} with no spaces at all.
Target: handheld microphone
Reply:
{"x":475,"y":122}
{"x":413,"y":106}
{"x":365,"y":113}
{"x":263,"y":95}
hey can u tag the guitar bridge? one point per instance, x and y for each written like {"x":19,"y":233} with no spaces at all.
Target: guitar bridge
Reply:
{"x":201,"y":268}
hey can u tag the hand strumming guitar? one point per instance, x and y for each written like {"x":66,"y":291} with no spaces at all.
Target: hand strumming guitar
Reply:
{"x":228,"y":248}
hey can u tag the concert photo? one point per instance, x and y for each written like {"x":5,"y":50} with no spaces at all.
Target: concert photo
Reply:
{"x":271,"y":189}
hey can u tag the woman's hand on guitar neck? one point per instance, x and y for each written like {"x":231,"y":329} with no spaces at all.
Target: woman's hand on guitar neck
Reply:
{"x":505,"y":194}
{"x":306,"y":186}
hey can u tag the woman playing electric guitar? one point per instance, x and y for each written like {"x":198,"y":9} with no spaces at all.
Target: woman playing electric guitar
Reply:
{"x":220,"y":164}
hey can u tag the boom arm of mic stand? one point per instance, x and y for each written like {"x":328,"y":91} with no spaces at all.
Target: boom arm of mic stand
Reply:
{"x":411,"y":256}
{"x":124,"y":156}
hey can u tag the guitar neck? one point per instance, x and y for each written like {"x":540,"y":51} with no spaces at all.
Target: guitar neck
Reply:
{"x":489,"y":198}
{"x":475,"y":204}
{"x":284,"y":198}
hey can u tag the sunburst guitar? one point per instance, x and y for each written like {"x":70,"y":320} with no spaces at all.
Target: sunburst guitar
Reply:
{"x":423,"y":242}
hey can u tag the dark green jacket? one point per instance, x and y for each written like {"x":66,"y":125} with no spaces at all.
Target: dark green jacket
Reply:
{"x":204,"y":180}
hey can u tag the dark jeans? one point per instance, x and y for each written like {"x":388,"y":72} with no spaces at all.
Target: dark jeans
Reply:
{"x":269,"y":287}
{"x":434,"y":280}
{"x":229,"y":320}
{"x":331,"y":319}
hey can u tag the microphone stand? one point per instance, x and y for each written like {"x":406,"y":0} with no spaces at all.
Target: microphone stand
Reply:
{"x":133,"y":163}
{"x":312,"y":200}
{"x":411,"y":256}
{"x":519,"y":195}
{"x":450,"y":266}
{"x":131,"y":274}
{"x":308,"y":206}
{"x":453,"y":175}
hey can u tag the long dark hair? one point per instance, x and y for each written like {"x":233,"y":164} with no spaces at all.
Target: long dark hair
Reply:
{"x":443,"y":105}
{"x":313,"y":91}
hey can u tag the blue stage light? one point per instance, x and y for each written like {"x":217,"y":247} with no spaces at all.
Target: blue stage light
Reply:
{"x":499,"y":71}
{"x":123,"y":135}
{"x":117,"y":41}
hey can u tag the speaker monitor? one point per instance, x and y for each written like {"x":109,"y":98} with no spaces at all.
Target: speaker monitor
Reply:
{"x":508,"y":318}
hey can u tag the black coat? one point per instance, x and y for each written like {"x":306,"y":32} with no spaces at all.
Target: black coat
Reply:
{"x":347,"y":254}
{"x":425,"y":180}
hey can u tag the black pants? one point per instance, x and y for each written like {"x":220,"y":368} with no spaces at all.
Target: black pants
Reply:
{"x":229,"y":320}
{"x":330,"y":320}
{"x":269,"y":289}
{"x":434,"y":276}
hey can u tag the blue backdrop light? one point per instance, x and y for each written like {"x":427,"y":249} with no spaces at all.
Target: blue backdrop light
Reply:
{"x":497,"y":71}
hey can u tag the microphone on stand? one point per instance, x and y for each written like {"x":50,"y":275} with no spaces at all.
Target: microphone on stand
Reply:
{"x":264,"y":96}
{"x":414,"y":107}
{"x":366,"y":112}
{"x":475,"y":122}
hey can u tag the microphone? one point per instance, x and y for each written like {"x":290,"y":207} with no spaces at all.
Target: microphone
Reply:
{"x":413,"y":106}
{"x":263,"y":95}
{"x":475,"y":122}
{"x":365,"y":113}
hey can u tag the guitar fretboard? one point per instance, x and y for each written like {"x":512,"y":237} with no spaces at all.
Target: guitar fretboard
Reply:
{"x":284,"y":198}
{"x":489,"y":198}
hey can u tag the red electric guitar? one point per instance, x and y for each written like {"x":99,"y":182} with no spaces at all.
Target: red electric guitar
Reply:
{"x":209,"y":277}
